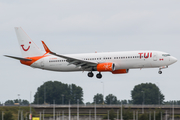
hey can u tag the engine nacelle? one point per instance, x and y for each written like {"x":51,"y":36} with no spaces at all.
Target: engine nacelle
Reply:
{"x":120,"y":71}
{"x":105,"y":67}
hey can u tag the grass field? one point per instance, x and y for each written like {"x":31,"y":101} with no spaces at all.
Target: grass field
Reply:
{"x":15,"y":109}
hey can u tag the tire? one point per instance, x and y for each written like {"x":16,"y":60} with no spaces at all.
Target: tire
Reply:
{"x":90,"y":74}
{"x":99,"y":76}
{"x":160,"y":72}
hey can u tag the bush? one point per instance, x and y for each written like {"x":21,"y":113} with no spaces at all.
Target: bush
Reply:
{"x":8,"y":116}
{"x":111,"y":115}
{"x":143,"y":116}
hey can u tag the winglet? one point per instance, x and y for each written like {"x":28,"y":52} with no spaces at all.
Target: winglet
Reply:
{"x":45,"y":47}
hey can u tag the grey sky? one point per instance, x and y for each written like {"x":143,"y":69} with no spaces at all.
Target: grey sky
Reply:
{"x":84,"y":26}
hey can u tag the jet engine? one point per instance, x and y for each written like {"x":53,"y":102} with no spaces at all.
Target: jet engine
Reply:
{"x":120,"y":71}
{"x":101,"y":67}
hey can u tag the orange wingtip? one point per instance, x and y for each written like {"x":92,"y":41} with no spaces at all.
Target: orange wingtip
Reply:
{"x":45,"y":47}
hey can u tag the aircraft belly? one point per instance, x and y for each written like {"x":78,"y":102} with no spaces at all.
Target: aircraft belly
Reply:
{"x":69,"y":68}
{"x":63,"y":67}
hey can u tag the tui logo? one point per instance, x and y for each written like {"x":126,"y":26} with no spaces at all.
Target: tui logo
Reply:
{"x":24,"y":48}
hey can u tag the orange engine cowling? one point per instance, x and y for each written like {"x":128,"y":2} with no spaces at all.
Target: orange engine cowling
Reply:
{"x":120,"y":71}
{"x":105,"y":67}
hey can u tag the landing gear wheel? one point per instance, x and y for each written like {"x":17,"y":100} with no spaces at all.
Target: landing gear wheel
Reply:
{"x":90,"y":74}
{"x":160,"y":72}
{"x":99,"y":75}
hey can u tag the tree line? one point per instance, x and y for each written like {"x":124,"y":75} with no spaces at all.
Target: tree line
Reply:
{"x":17,"y":102}
{"x":109,"y":99}
{"x":59,"y":93}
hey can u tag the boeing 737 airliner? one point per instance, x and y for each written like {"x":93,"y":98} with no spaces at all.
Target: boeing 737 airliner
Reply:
{"x":114,"y":62}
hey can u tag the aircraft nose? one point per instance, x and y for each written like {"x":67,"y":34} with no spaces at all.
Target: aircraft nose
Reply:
{"x":173,"y":59}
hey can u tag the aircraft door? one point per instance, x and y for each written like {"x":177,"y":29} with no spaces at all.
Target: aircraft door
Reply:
{"x":155,"y":56}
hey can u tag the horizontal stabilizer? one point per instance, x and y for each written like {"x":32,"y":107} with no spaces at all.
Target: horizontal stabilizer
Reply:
{"x":18,"y":58}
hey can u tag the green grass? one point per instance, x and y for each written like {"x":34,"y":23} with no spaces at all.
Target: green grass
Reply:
{"x":14,"y":110}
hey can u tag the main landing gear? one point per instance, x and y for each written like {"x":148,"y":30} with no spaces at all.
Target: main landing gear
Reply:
{"x":90,"y":74}
{"x":99,"y":75}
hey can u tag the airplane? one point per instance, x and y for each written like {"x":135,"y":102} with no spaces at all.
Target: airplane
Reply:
{"x":114,"y":62}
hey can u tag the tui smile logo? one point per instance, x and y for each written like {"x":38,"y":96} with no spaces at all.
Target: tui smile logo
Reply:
{"x":24,"y":48}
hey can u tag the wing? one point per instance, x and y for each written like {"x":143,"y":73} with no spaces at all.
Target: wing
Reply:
{"x":75,"y":61}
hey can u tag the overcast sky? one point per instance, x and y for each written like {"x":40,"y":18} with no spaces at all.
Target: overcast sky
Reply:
{"x":86,"y":26}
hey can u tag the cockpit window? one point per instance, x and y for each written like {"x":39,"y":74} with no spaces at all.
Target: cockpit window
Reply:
{"x":165,"y":55}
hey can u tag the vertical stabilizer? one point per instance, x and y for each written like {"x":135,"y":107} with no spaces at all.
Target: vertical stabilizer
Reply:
{"x":27,"y":46}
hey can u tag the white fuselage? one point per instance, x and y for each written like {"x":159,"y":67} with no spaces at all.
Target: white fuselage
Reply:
{"x":122,"y":60}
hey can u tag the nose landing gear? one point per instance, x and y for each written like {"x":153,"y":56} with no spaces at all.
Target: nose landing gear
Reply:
{"x":160,"y":72}
{"x":163,"y":67}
